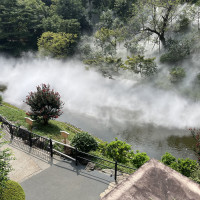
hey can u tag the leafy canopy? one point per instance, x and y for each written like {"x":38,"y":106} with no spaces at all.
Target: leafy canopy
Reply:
{"x":141,"y":65}
{"x":58,"y":45}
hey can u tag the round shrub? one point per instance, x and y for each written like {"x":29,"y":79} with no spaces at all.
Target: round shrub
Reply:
{"x":139,"y":159}
{"x":84,"y":142}
{"x":187,"y":166}
{"x":177,"y":74}
{"x":13,"y":191}
{"x":118,"y":151}
{"x":168,"y":159}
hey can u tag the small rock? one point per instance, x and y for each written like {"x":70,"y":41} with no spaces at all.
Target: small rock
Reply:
{"x":90,"y":166}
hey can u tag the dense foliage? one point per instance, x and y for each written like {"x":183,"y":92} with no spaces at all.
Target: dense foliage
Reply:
{"x":5,"y":167}
{"x":177,"y":74}
{"x":1,"y":99}
{"x":139,"y":159}
{"x":110,"y":36}
{"x":84,"y":142}
{"x":141,"y":65}
{"x":114,"y":22}
{"x":176,"y":50}
{"x":185,"y":166}
{"x":13,"y":191}
{"x":44,"y":104}
{"x":56,"y":44}
{"x":118,"y":150}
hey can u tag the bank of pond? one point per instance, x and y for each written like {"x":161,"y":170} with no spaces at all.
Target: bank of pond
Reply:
{"x":116,"y":150}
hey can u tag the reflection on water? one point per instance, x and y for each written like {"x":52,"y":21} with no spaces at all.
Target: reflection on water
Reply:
{"x":154,"y":140}
{"x":186,"y":142}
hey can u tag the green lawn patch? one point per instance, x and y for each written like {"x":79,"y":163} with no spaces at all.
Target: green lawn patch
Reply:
{"x":13,"y":191}
{"x":52,"y":130}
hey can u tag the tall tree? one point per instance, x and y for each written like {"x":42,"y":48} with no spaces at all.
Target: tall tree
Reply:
{"x":155,"y":16}
{"x":56,"y":24}
{"x":71,"y":9}
{"x":20,"y":23}
{"x":58,"y":45}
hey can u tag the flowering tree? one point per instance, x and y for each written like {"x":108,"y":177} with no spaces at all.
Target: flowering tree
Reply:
{"x":45,"y":104}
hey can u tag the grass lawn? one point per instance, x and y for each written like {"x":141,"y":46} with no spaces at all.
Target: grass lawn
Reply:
{"x":52,"y":130}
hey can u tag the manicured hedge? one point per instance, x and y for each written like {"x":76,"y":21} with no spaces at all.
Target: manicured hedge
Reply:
{"x":13,"y":191}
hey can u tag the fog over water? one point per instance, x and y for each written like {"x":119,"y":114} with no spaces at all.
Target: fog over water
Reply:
{"x":151,"y":118}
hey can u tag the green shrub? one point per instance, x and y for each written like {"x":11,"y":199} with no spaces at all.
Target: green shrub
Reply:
{"x":176,"y":50}
{"x":175,"y":166}
{"x":103,"y":147}
{"x":5,"y":166}
{"x":187,"y":166}
{"x":168,"y":159}
{"x":183,"y":23}
{"x":58,"y":45}
{"x":195,"y":176}
{"x":139,"y":159}
{"x":168,"y":58}
{"x":3,"y":88}
{"x":177,"y":74}
{"x":118,"y":151}
{"x":84,"y":142}
{"x":13,"y":191}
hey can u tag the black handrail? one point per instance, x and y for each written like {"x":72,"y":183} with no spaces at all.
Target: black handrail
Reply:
{"x":96,"y":157}
{"x":51,"y":149}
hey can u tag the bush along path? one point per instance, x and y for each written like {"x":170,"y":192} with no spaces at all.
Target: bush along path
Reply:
{"x":116,"y":151}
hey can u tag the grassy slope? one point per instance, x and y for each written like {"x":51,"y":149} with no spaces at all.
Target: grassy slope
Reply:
{"x":52,"y":130}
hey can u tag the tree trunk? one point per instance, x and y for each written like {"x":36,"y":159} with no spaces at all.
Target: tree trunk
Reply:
{"x":163,"y":41}
{"x":45,"y":121}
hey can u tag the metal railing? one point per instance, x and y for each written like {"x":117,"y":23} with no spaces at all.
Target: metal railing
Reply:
{"x":54,"y":147}
{"x":32,"y":139}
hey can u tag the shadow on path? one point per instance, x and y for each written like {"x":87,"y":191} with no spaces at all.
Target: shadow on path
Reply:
{"x":63,"y":180}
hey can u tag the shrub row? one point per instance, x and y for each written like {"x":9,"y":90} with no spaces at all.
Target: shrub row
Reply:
{"x":121,"y":152}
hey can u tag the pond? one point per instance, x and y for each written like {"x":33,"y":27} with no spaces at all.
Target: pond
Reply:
{"x":152,"y":115}
{"x":155,"y":140}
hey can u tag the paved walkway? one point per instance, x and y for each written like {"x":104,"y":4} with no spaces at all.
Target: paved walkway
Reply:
{"x":45,"y":179}
{"x":65,"y":181}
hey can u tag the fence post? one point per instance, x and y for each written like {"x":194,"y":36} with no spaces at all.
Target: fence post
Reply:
{"x":76,"y":152}
{"x":11,"y":131}
{"x":30,"y":139}
{"x":51,"y":148}
{"x":115,"y":170}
